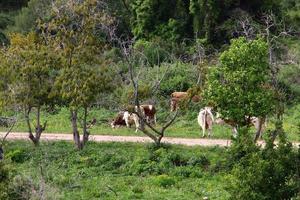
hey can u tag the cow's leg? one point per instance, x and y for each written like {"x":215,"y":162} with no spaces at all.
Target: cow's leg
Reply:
{"x":235,"y":132}
{"x":136,"y":122}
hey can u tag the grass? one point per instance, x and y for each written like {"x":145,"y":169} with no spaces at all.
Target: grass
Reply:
{"x":119,"y":170}
{"x":185,"y":126}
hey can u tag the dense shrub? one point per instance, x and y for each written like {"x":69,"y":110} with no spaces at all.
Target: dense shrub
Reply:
{"x":180,"y":77}
{"x":153,"y":52}
{"x":18,"y":155}
{"x":164,"y":180}
{"x":4,"y":180}
{"x":269,"y":173}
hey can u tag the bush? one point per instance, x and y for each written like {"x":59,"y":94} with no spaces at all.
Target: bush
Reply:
{"x":4,"y":180}
{"x":18,"y":155}
{"x":164,"y":181}
{"x":20,"y":188}
{"x":152,"y":51}
{"x":180,"y":77}
{"x":199,"y":161}
{"x":269,"y":173}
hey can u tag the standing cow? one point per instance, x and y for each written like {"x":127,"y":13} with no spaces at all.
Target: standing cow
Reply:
{"x":149,"y":112}
{"x":206,"y":120}
{"x":259,"y":124}
{"x":176,"y":97}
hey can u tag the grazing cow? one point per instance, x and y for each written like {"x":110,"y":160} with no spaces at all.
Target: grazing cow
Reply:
{"x":149,"y":112}
{"x":124,"y":118}
{"x":176,"y":97}
{"x":119,"y":120}
{"x":205,"y":120}
{"x":259,"y":124}
{"x":131,"y":118}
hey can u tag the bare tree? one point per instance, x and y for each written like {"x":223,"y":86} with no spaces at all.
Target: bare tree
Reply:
{"x":129,"y":55}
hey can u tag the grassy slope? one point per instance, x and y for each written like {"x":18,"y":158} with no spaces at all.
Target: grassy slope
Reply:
{"x":108,"y":171}
{"x":183,"y":127}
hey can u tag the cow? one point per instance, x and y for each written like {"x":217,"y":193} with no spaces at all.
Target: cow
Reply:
{"x":124,"y":118}
{"x":176,"y":97}
{"x":206,"y":120}
{"x":259,"y":124}
{"x":131,"y":118}
{"x":149,"y":112}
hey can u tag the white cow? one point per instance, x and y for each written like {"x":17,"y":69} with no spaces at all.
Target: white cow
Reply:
{"x":206,"y":120}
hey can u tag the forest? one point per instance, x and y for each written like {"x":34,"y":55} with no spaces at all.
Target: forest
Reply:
{"x":186,"y":70}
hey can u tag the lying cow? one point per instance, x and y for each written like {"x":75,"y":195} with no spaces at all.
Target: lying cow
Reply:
{"x":124,"y":118}
{"x":149,"y":112}
{"x":205,"y":120}
{"x":176,"y":97}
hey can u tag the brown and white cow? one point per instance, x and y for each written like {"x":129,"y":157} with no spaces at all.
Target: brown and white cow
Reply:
{"x":206,"y":120}
{"x":124,"y":118}
{"x":149,"y":112}
{"x":259,"y":124}
{"x":176,"y":97}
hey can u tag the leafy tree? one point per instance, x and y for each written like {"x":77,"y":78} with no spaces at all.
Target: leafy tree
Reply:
{"x":28,"y":69}
{"x":75,"y":29}
{"x":239,"y":87}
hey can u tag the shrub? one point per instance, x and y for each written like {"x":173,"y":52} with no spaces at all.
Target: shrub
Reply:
{"x":201,"y":161}
{"x":164,"y":181}
{"x":4,"y":180}
{"x":152,"y":51}
{"x":18,"y":155}
{"x":269,"y":173}
{"x":187,"y":172}
{"x":20,"y":188}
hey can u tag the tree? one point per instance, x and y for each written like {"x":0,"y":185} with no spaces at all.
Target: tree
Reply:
{"x":28,"y":68}
{"x":75,"y":30}
{"x":239,"y":88}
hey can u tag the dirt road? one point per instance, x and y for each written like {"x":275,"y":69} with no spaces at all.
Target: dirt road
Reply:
{"x":138,"y":139}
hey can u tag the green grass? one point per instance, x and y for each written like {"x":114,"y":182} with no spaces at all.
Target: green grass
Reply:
{"x":184,"y":126}
{"x":120,"y":170}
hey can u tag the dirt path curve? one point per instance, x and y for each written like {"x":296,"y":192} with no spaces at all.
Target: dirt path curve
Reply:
{"x":138,"y":139}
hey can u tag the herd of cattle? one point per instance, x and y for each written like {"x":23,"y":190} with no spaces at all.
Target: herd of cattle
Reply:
{"x":205,"y":118}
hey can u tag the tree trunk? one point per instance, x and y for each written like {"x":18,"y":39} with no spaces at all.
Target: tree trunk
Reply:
{"x":27,"y":119}
{"x":258,"y":132}
{"x":85,"y":130}
{"x":39,"y":129}
{"x":76,"y":135}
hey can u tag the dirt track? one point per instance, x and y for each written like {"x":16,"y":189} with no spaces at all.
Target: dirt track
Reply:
{"x":110,"y":138}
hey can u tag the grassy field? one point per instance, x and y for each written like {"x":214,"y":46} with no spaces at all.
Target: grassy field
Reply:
{"x":118,"y":171}
{"x":184,"y":126}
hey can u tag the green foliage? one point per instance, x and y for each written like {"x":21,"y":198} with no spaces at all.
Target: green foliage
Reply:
{"x":164,"y":181}
{"x":84,"y":72}
{"x":153,"y":52}
{"x":4,"y":180}
{"x":102,"y":171}
{"x":179,"y":77}
{"x":26,"y":20}
{"x":29,"y":67}
{"x":159,"y":18}
{"x":239,"y":88}
{"x":269,"y":173}
{"x":18,"y":155}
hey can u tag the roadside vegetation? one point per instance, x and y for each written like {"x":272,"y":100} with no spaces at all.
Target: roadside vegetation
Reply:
{"x":70,"y":66}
